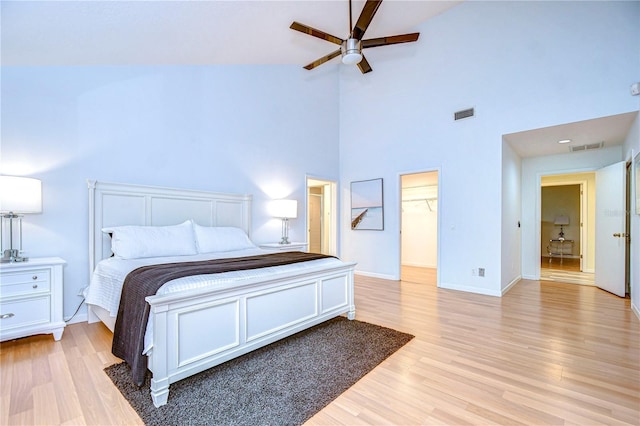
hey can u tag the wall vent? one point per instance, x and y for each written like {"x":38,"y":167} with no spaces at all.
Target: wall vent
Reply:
{"x":587,"y":147}
{"x":463,"y":114}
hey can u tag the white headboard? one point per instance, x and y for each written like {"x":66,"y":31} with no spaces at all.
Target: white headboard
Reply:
{"x":117,"y":204}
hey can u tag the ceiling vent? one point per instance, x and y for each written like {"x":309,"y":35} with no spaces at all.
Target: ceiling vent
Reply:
{"x":587,"y":147}
{"x":465,"y":113}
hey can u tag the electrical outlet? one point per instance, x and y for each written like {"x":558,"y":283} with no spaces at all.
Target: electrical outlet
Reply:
{"x":481,"y":272}
{"x":473,"y":272}
{"x":80,"y":292}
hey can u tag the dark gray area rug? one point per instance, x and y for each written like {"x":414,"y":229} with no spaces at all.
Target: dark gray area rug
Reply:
{"x":284,"y":383}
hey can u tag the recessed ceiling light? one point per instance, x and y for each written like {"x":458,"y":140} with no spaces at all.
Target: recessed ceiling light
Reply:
{"x":564,"y":141}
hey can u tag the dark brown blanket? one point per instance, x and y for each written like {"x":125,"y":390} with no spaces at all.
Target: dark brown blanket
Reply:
{"x":133,"y":312}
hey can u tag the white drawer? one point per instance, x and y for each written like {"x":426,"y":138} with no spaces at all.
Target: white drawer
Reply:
{"x":35,"y":310}
{"x":25,"y":282}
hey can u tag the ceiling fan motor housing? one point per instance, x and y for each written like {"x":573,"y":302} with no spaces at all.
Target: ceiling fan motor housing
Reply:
{"x":351,"y":51}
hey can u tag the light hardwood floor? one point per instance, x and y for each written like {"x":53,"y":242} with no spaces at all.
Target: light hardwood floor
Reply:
{"x":567,"y":271}
{"x":545,"y":353}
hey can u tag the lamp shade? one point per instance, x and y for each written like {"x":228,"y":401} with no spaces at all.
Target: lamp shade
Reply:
{"x":561,"y":220}
{"x":285,"y":209}
{"x":20,"y":195}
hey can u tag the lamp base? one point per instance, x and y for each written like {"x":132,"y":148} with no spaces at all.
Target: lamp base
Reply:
{"x":12,"y":255}
{"x":285,"y":231}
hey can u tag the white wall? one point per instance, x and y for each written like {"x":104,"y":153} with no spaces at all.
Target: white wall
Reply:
{"x":522,"y":65}
{"x":511,"y":218}
{"x":219,"y":128}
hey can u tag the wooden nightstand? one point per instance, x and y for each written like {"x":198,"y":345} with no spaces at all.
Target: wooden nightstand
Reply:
{"x":31,"y":298}
{"x":284,"y":247}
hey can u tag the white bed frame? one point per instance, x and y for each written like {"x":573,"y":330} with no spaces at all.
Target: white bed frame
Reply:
{"x":252,"y":315}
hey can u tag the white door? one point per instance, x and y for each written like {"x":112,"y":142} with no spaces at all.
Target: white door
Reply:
{"x":610,"y":228}
{"x":323,"y":225}
{"x":315,"y":223}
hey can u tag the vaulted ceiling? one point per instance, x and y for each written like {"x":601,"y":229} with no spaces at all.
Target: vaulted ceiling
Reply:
{"x":195,"y":32}
{"x":189,"y":32}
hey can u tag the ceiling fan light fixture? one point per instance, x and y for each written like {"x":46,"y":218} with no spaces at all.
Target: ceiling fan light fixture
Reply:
{"x":351,"y":58}
{"x":351,"y":51}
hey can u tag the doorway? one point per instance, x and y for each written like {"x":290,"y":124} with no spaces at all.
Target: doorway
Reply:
{"x":567,"y":225}
{"x":321,"y":211}
{"x":419,"y":227}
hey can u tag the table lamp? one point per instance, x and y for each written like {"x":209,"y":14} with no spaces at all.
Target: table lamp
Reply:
{"x":561,"y":221}
{"x":285,"y":210}
{"x":18,"y":196}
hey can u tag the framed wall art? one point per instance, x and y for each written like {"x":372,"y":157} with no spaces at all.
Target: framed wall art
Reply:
{"x":367,"y":205}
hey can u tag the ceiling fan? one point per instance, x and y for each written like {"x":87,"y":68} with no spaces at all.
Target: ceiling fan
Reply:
{"x":351,"y":48}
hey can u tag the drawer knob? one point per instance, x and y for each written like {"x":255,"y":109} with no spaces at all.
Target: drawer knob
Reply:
{"x":35,"y":277}
{"x":35,"y":286}
{"x":5,"y":316}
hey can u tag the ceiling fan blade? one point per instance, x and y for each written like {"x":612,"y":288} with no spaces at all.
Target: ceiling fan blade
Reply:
{"x":364,"y":65}
{"x":322,"y":60}
{"x":315,"y":33}
{"x":368,"y":11}
{"x":385,"y":41}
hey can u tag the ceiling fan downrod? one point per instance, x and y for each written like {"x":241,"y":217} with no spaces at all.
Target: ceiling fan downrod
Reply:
{"x":351,"y":48}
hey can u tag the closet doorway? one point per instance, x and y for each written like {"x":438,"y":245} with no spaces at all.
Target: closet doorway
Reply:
{"x":321,"y":228}
{"x":419,"y":227}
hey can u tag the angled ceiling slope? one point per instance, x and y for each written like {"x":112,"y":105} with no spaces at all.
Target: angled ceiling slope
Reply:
{"x":186,"y":32}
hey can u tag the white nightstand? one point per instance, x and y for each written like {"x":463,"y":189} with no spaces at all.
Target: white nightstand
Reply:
{"x":31,"y":298}
{"x":284,"y":247}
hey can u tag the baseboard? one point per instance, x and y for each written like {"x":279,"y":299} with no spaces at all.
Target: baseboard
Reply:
{"x":376,"y":275}
{"x":515,"y":281}
{"x":80,"y":317}
{"x":635,"y":310}
{"x":468,"y":289}
{"x":530,"y":277}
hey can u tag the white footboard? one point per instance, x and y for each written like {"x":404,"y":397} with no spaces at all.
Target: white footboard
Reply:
{"x":197,"y":331}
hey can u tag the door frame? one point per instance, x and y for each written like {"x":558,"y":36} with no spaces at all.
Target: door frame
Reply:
{"x":438,"y":171}
{"x":627,"y":224}
{"x":538,"y":220}
{"x":331,"y":218}
{"x":538,"y":207}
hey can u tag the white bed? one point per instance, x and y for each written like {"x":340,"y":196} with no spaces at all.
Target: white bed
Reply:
{"x":246,"y":309}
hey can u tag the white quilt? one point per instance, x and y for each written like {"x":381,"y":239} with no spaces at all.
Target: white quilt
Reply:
{"x":109,"y":275}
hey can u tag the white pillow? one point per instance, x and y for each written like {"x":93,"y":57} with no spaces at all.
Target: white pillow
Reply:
{"x":132,"y":242}
{"x":212,"y":239}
